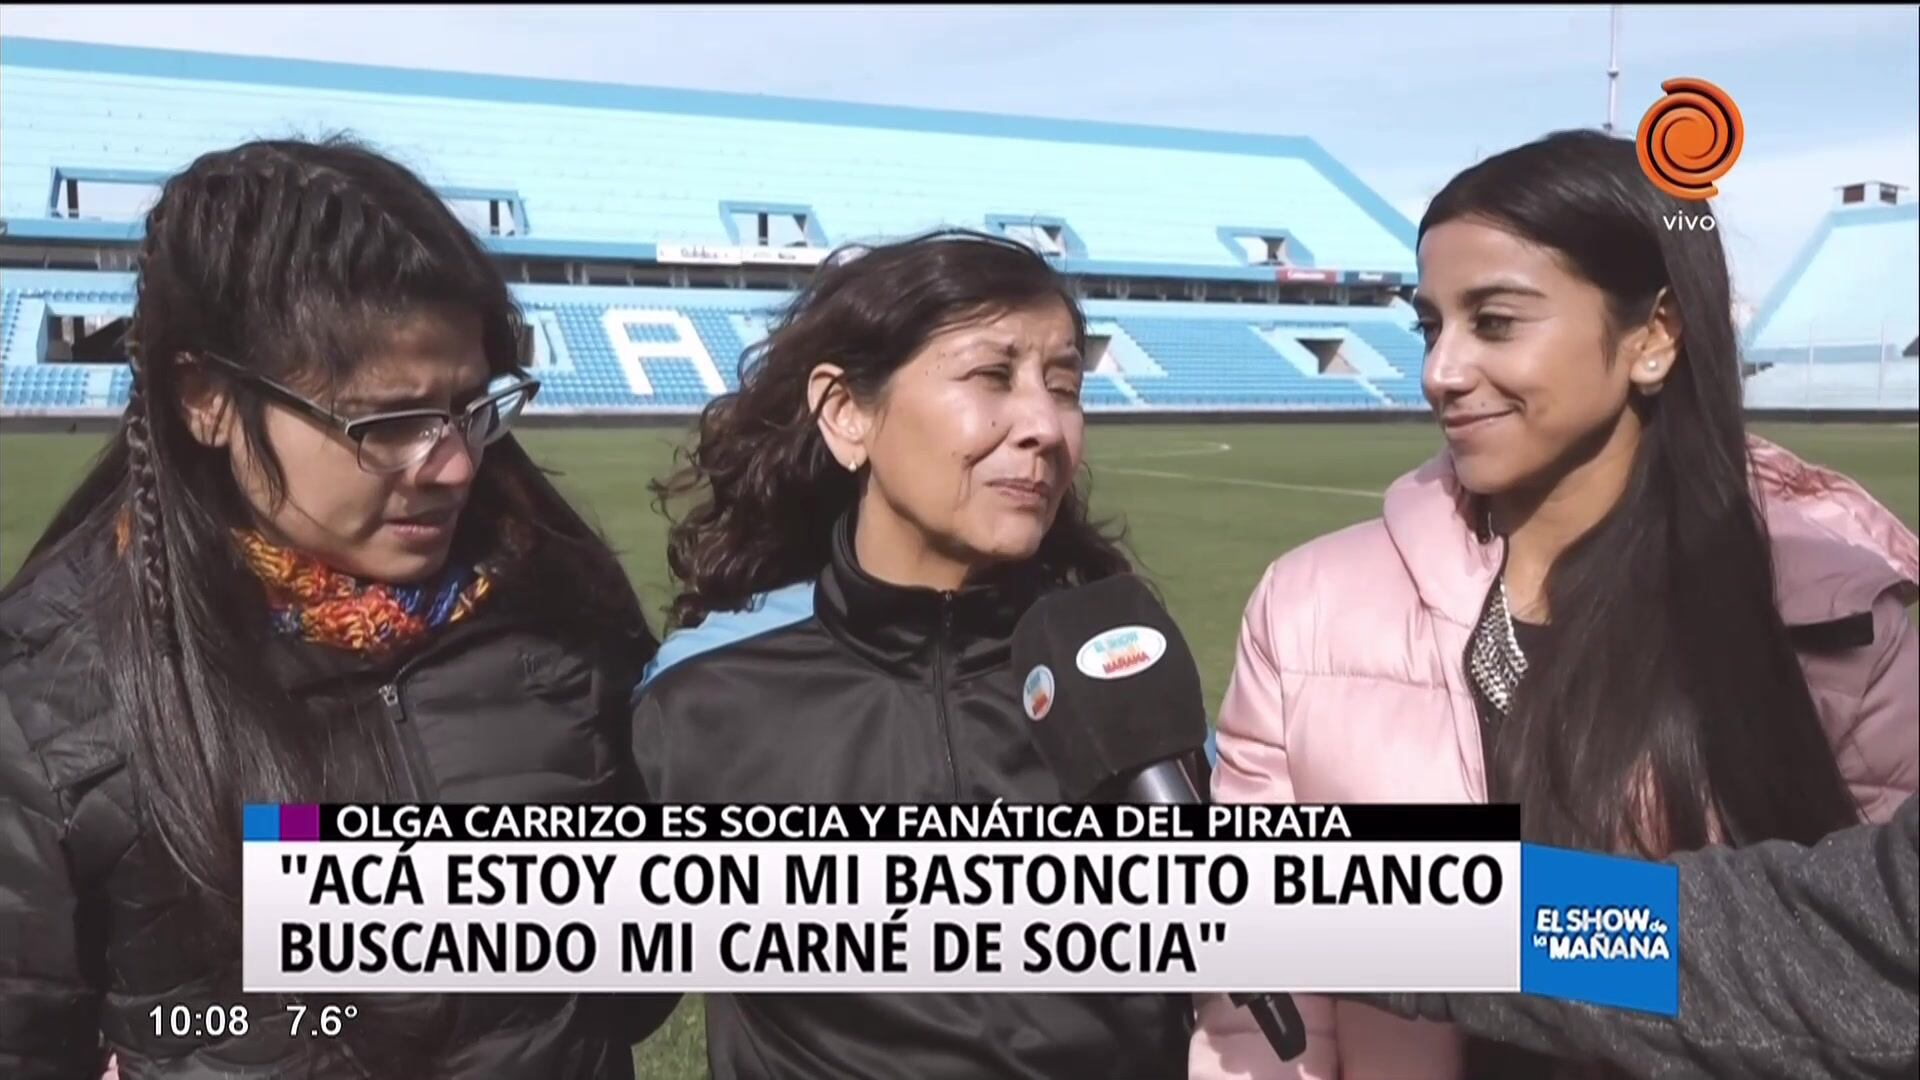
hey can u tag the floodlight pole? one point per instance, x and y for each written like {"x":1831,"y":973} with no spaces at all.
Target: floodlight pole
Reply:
{"x":1613,"y":66}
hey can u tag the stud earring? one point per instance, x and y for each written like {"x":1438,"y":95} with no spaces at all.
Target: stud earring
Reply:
{"x":1650,"y":389}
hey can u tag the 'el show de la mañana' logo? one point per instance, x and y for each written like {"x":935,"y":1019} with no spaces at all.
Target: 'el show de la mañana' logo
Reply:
{"x":1690,"y":138}
{"x":1120,"y":652}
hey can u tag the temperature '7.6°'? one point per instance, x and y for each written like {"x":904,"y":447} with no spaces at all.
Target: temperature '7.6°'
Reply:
{"x":328,"y":1020}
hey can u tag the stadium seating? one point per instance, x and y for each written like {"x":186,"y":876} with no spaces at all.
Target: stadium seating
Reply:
{"x":1102,"y":393}
{"x":624,"y":175}
{"x":1216,"y":364}
{"x":1204,"y":363}
{"x":638,"y":166}
{"x":1893,"y":386}
{"x":1201,"y":357}
{"x":597,"y":379}
{"x":1831,"y":333}
{"x":722,"y":341}
{"x":1403,"y":354}
{"x":9,"y":300}
{"x":1822,"y":354}
{"x":620,"y":172}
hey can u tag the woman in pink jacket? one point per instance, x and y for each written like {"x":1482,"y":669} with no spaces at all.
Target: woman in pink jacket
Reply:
{"x":1601,"y":601}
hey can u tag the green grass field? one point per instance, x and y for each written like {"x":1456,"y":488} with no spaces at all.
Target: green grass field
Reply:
{"x":1206,"y":508}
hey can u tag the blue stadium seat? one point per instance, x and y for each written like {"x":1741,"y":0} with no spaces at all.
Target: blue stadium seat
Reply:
{"x":1203,"y":362}
{"x":1212,"y":363}
{"x":1403,"y":350}
{"x":723,"y":342}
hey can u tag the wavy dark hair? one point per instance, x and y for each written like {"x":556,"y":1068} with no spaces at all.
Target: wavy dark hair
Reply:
{"x":1671,"y":652}
{"x":296,"y":259}
{"x":767,"y":490}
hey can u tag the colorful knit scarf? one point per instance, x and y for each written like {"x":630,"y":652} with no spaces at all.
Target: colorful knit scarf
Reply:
{"x":314,"y":602}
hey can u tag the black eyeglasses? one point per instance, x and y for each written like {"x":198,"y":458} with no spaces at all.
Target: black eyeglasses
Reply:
{"x":390,"y":442}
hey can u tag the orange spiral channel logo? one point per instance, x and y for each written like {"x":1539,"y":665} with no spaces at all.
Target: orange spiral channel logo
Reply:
{"x":1690,"y":138}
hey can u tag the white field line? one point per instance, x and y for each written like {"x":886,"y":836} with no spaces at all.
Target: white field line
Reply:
{"x":1234,"y":481}
{"x":1230,"y":481}
{"x":1203,"y":450}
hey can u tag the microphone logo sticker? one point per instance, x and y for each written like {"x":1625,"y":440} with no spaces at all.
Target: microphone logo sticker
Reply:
{"x":1037,"y":693}
{"x":1120,"y":652}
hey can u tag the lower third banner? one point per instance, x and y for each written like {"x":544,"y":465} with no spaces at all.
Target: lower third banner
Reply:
{"x":845,"y":899}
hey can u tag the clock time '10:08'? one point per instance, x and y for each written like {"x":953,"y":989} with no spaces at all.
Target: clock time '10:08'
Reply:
{"x":232,"y":1021}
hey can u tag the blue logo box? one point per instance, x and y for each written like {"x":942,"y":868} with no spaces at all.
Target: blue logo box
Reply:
{"x":1600,"y":929}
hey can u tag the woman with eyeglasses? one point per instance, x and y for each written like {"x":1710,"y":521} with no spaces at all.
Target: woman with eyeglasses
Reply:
{"x":310,"y":566}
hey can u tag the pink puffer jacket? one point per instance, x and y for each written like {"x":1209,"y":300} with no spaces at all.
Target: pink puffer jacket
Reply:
{"x":1348,"y":688}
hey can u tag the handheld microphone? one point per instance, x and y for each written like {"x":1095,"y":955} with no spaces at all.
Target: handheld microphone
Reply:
{"x":1118,"y":715}
{"x":1114,"y":695}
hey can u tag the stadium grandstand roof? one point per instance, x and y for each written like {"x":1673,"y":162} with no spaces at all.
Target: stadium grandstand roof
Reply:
{"x":1855,"y":283}
{"x":588,"y":170}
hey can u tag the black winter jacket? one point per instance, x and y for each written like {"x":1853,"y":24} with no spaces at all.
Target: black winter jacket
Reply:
{"x":851,"y":690}
{"x":94,"y":930}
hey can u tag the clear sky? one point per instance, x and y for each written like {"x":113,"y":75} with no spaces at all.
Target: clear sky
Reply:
{"x":1404,"y":96}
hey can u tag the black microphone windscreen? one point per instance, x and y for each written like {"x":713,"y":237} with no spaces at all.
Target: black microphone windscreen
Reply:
{"x":1108,"y":681}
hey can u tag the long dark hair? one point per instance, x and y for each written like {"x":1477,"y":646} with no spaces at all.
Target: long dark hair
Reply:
{"x":768,"y":490}
{"x":295,"y":259}
{"x":1673,"y":695}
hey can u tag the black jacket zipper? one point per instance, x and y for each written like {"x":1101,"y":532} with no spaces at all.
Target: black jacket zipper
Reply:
{"x":414,"y":771}
{"x":940,"y":688}
{"x":418,"y":783}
